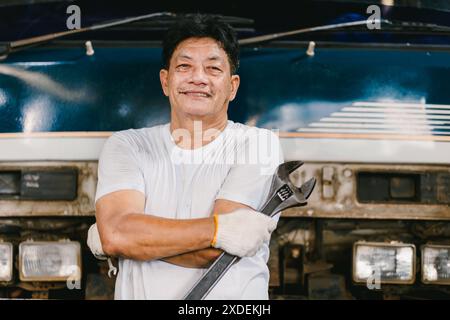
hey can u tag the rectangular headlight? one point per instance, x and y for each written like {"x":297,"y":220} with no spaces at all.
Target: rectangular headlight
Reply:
{"x":436,"y":264}
{"x":6,"y":261}
{"x":49,"y":261}
{"x":387,"y":262}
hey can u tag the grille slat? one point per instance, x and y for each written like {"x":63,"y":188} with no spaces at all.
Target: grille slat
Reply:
{"x":386,"y":118}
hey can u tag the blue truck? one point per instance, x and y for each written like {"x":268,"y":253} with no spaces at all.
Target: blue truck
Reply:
{"x":360,"y":95}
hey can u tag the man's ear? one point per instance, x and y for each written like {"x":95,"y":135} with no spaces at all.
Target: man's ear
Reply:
{"x":235,"y":81}
{"x":163,"y":75}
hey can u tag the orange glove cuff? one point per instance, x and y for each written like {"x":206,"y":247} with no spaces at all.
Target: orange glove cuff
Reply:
{"x":216,"y":226}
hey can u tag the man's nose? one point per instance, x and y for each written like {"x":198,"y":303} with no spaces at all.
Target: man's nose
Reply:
{"x":199,"y":76}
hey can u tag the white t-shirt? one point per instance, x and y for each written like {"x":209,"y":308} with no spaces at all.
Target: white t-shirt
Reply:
{"x":180,"y":184}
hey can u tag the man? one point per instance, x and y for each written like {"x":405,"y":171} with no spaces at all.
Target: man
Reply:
{"x":170,"y":198}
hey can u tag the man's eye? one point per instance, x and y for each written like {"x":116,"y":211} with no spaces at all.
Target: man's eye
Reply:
{"x":183,"y":66}
{"x":215,"y":69}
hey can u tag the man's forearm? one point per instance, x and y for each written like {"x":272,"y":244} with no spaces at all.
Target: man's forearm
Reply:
{"x":145,"y":237}
{"x":140,"y":236}
{"x":205,"y":257}
{"x":196,"y":259}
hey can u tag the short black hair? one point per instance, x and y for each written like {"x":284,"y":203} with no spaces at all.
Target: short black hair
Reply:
{"x":201,"y":26}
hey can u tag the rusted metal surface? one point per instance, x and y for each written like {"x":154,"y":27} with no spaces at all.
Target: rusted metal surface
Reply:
{"x":274,"y":265}
{"x":327,"y":286}
{"x":99,"y":287}
{"x":335,"y":196}
{"x":83,"y":205}
{"x":337,"y":240}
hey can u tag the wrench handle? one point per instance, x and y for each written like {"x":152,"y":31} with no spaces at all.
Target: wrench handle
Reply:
{"x":223,"y":262}
{"x":212,"y":276}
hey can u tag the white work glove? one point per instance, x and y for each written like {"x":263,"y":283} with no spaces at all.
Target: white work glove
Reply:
{"x":94,"y":243}
{"x":242,"y":232}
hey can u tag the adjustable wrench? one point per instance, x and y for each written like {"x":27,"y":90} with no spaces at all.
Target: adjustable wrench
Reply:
{"x":283,"y":194}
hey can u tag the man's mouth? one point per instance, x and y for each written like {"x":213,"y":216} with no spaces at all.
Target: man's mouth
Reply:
{"x":200,"y":94}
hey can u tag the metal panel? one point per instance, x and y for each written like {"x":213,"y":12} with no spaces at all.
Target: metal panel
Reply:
{"x":82,"y":205}
{"x":345,"y":205}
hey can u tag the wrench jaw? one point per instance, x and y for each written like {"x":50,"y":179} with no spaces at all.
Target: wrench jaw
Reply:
{"x":298,"y":197}
{"x":307,"y":188}
{"x":289,"y":195}
{"x":287,"y":168}
{"x":282,"y":175}
{"x":302,"y":194}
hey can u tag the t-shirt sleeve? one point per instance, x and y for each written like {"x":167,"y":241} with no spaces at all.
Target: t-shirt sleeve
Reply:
{"x":249,"y":179}
{"x":118,"y":167}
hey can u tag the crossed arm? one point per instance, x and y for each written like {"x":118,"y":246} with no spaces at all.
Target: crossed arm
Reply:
{"x":127,"y":232}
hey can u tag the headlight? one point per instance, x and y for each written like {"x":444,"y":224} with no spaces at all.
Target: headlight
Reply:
{"x":6,"y":261}
{"x":49,"y":261}
{"x":386,"y":262}
{"x":436,"y":264}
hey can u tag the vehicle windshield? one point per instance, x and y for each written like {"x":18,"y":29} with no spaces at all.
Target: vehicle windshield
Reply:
{"x":413,"y":21}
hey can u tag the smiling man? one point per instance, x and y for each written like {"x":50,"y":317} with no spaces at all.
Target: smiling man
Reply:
{"x":171,"y":198}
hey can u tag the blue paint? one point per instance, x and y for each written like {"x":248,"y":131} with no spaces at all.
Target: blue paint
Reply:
{"x":282,"y":88}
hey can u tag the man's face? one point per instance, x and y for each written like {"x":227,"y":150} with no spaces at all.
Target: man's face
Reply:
{"x":199,"y":83}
